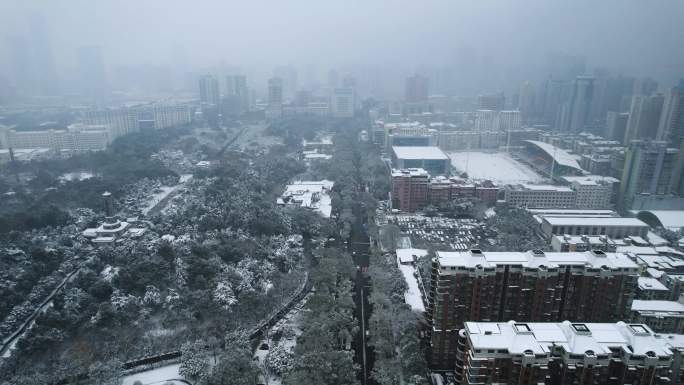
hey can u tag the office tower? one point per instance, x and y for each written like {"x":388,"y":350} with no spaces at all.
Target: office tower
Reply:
{"x":644,"y":87}
{"x":43,"y":60}
{"x":237,"y":94}
{"x":92,"y":72}
{"x":342,"y":103}
{"x":526,"y":102}
{"x":671,"y":125}
{"x":563,"y":353}
{"x":494,"y":102}
{"x":649,"y":169}
{"x":576,"y":112}
{"x":616,"y":125}
{"x":275,"y":92}
{"x":288,"y":76}
{"x":486,"y":120}
{"x":417,"y":89}
{"x":509,"y":120}
{"x":209,"y":90}
{"x":530,"y":287}
{"x":410,"y":189}
{"x":550,"y":100}
{"x":644,"y":117}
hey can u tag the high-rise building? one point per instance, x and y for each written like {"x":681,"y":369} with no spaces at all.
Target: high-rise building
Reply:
{"x":550,"y":100}
{"x":494,"y":102}
{"x":644,"y":87}
{"x":92,"y":73}
{"x":288,"y":76}
{"x":525,"y":353}
{"x":530,"y":287}
{"x":649,"y":169}
{"x":509,"y":120}
{"x":526,"y":102}
{"x":410,"y":189}
{"x":576,"y":112}
{"x":671,"y":125}
{"x":275,"y":92}
{"x":209,"y":90}
{"x":486,"y":120}
{"x":644,"y":117}
{"x":616,"y":125}
{"x":417,"y":89}
{"x":342,"y":103}
{"x":237,"y":93}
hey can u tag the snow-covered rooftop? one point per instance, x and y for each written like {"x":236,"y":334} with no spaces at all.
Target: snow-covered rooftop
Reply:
{"x":594,"y":221}
{"x":658,"y":306}
{"x":533,"y":338}
{"x":648,"y":283}
{"x":559,"y":155}
{"x":419,"y":152}
{"x":309,"y":194}
{"x":480,"y":259}
{"x":590,"y":179}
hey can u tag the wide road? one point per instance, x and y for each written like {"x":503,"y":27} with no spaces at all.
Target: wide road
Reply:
{"x":360,"y":248}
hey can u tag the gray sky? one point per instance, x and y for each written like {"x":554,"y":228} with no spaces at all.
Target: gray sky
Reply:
{"x":510,"y":38}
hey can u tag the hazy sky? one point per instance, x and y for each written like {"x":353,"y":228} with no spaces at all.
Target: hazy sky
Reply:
{"x":637,"y":37}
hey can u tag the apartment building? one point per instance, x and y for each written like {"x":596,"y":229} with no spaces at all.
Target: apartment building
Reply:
{"x":519,"y":353}
{"x":532,"y":286}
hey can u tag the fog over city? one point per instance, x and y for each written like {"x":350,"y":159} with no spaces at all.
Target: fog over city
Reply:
{"x":489,"y":45}
{"x":341,"y":192}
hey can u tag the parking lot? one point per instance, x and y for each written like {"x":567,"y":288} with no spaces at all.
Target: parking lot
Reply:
{"x":439,"y":232}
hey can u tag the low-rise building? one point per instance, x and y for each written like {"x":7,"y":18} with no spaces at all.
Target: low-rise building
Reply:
{"x":429,"y":158}
{"x":570,"y":243}
{"x":613,"y":227}
{"x":540,"y":196}
{"x":661,"y":316}
{"x":312,"y":195}
{"x":652,"y":289}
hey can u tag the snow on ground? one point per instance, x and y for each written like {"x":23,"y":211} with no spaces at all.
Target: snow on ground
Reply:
{"x":412,"y":295}
{"x":79,"y":176}
{"x":498,"y":167}
{"x":156,"y":376}
{"x":164,"y":191}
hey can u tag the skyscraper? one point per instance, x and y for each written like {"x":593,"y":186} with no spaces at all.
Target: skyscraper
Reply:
{"x":209,"y":90}
{"x":649,"y":169}
{"x":417,"y":89}
{"x":671,"y":125}
{"x":526,"y":102}
{"x":92,"y":73}
{"x":616,"y":125}
{"x":576,"y":112}
{"x":275,"y":92}
{"x":237,"y":93}
{"x":550,"y":100}
{"x":644,"y":117}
